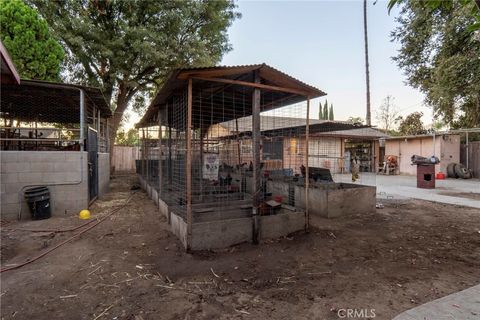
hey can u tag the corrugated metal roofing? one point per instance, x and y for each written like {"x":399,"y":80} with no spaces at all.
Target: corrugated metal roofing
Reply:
{"x":177,"y":81}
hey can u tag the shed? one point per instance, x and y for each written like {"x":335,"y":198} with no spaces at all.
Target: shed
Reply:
{"x":205,"y":139}
{"x":54,"y":135}
{"x":443,"y":145}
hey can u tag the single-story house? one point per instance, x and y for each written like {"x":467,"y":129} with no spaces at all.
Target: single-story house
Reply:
{"x":331,"y":143}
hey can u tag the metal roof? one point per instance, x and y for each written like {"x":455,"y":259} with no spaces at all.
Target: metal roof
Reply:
{"x":278,"y":126}
{"x":9,"y":73}
{"x":420,"y":136}
{"x":34,"y":100}
{"x":177,"y":83}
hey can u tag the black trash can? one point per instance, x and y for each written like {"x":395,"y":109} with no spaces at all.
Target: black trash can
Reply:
{"x":38,"y":200}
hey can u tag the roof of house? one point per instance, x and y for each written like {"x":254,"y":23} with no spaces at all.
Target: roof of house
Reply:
{"x":9,"y":73}
{"x":420,"y":136}
{"x":277,"y":126}
{"x":212,"y":84}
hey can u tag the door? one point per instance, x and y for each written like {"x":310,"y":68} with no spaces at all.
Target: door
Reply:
{"x":92,"y":164}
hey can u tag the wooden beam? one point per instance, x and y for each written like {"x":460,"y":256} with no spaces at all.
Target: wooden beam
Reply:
{"x":188,"y":166}
{"x":216,"y":72}
{"x":160,"y":165}
{"x":256,"y":85}
{"x":307,"y":173}
{"x":257,"y":183}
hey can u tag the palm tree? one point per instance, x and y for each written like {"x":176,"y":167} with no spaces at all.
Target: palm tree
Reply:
{"x":367,"y":73}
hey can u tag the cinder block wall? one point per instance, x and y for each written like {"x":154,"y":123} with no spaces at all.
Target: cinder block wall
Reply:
{"x":20,"y":169}
{"x":103,"y":173}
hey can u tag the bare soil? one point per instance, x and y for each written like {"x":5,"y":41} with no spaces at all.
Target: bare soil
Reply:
{"x":131,"y":266}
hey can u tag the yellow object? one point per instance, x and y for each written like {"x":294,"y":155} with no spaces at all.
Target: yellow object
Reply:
{"x":84,"y":214}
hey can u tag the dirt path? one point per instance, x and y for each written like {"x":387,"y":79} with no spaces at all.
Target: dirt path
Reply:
{"x":132,"y":267}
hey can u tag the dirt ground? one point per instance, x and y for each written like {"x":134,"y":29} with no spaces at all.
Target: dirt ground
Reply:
{"x":131,"y":267}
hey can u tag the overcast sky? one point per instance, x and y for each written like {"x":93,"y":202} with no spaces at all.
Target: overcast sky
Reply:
{"x":321,"y":43}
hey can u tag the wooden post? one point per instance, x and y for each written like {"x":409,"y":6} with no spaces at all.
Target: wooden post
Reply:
{"x":160,"y":165}
{"x":256,"y":188}
{"x":238,"y":143}
{"x":143,"y":153}
{"x":307,"y":173}
{"x":201,"y":163}
{"x":188,"y":165}
{"x":170,"y":165}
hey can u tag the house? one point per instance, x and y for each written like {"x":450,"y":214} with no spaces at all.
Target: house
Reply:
{"x":331,"y":143}
{"x":445,"y":146}
{"x":53,"y":135}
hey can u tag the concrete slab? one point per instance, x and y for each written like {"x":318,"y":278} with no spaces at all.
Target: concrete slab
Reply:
{"x":450,"y":191}
{"x":463,"y":305}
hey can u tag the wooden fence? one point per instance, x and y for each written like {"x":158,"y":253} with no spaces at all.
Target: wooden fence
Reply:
{"x":473,"y":157}
{"x":123,"y":158}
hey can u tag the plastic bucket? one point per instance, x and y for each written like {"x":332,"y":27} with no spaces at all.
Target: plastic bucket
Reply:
{"x":38,"y":200}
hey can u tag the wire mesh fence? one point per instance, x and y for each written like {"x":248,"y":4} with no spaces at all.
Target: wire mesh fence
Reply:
{"x":220,"y":178}
{"x":40,"y":116}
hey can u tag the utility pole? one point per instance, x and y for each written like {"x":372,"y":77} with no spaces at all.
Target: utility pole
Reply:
{"x":367,"y":73}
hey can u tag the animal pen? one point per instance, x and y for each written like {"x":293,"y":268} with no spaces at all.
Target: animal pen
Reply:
{"x":225,"y":152}
{"x":53,"y":135}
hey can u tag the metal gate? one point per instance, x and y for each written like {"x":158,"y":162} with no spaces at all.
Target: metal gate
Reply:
{"x":92,"y":164}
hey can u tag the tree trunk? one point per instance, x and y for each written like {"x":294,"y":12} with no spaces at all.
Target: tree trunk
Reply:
{"x":116,"y":119}
{"x":367,"y":73}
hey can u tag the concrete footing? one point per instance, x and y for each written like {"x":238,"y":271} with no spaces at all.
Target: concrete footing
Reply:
{"x":226,"y":232}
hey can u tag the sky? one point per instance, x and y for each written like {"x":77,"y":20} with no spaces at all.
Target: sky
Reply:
{"x":321,"y":43}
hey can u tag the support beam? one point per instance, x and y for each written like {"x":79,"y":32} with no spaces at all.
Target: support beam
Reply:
{"x":98,"y":129}
{"x":307,"y":173}
{"x":467,"y":152}
{"x":188,"y":165}
{"x":82,"y":120}
{"x":256,"y":85}
{"x":143,"y":153}
{"x":160,"y":164}
{"x":257,"y":182}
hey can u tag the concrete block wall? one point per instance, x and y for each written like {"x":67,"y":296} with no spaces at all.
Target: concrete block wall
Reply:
{"x":224,"y":233}
{"x":20,"y":169}
{"x":103,"y":173}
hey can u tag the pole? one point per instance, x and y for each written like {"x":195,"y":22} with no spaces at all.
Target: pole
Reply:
{"x":256,"y":188}
{"x":466,"y":151}
{"x":188,"y":165}
{"x":160,"y":165}
{"x":82,"y":120}
{"x":367,"y":72}
{"x":98,"y":129}
{"x":307,"y":176}
{"x":238,"y":144}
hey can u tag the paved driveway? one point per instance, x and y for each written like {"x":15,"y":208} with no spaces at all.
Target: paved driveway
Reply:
{"x":451,"y":191}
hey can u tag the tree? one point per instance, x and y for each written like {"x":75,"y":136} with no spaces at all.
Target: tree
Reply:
{"x":330,"y":113}
{"x":320,"y":111}
{"x":129,"y":138}
{"x":355,"y":120}
{"x":387,"y":114}
{"x":474,"y":5}
{"x":129,"y":47}
{"x":325,"y":110}
{"x":439,"y":55}
{"x":412,"y":124}
{"x":367,"y":72}
{"x":36,"y":54}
